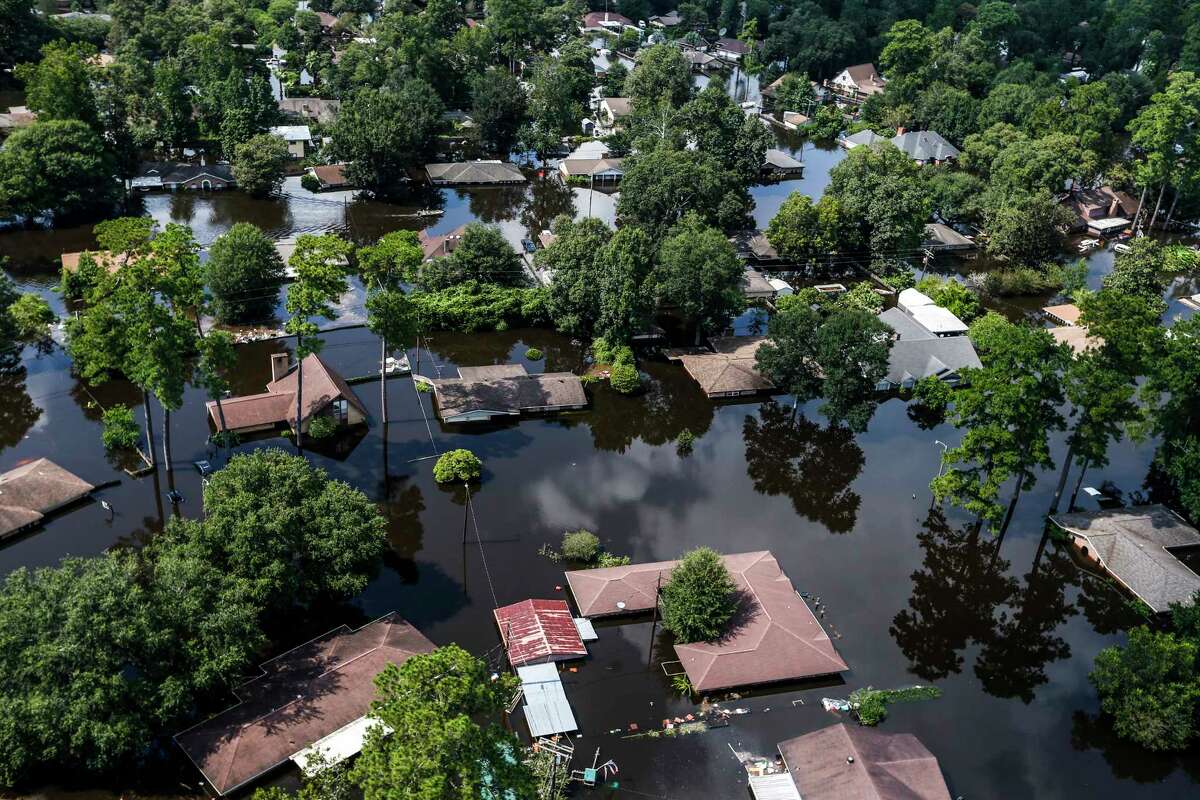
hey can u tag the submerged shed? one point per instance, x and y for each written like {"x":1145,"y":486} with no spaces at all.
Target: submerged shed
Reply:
{"x":547,"y":711}
{"x":31,"y":491}
{"x":539,"y":631}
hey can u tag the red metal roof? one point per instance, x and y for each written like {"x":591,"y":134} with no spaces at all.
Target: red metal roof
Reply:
{"x":537,"y":631}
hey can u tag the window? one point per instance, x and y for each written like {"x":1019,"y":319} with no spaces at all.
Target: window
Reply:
{"x":341,"y":410}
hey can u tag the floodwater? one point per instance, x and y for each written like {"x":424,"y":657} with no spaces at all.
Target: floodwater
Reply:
{"x":1007,"y":628}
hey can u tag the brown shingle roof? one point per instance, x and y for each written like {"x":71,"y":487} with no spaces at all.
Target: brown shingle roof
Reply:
{"x":103,"y":258}
{"x":32,"y":490}
{"x":330,"y":175}
{"x":509,"y":392}
{"x":1132,"y":544}
{"x":885,"y":766}
{"x":866,"y":78}
{"x":731,"y":370}
{"x":440,"y":244}
{"x":775,"y":637}
{"x":303,"y":695}
{"x":322,"y":385}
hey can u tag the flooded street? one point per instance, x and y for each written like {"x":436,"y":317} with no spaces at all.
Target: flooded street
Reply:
{"x":1006,"y":629}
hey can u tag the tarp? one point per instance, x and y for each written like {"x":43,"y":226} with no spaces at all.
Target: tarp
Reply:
{"x":346,"y":741}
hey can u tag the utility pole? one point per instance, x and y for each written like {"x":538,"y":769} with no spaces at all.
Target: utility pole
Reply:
{"x":654,"y":620}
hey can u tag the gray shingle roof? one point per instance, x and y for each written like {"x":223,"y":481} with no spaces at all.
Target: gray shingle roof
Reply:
{"x":1132,"y":545}
{"x":917,"y":353}
{"x":925,"y":146}
{"x":501,"y":390}
{"x":467,"y":172}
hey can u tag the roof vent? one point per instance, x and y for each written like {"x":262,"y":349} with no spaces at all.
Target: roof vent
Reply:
{"x":849,"y":759}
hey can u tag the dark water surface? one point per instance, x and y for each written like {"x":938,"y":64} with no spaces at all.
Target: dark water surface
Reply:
{"x":1007,"y":629}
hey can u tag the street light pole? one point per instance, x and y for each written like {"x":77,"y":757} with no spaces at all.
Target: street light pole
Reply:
{"x":942,"y":462}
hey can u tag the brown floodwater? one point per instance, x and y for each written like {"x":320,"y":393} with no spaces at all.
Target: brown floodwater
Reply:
{"x":1007,"y":628}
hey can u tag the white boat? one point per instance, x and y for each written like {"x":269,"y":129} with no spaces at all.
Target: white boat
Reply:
{"x":1121,"y":247}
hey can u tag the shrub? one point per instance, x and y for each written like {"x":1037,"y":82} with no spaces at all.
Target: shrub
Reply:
{"x":953,"y":296}
{"x":76,"y":284}
{"x":120,"y":429}
{"x":580,"y":545}
{"x":700,"y":597}
{"x":623,"y":355}
{"x":310,"y":182}
{"x":472,"y":306}
{"x":625,"y":378}
{"x":606,"y":559}
{"x":1023,"y":281}
{"x":863,"y":297}
{"x":457,"y":466}
{"x":685,"y":441}
{"x":322,"y":427}
{"x":933,"y":394}
{"x":32,"y":316}
{"x":601,"y":351}
{"x":533,"y":354}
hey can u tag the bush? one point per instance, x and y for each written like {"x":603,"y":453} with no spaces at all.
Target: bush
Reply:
{"x":533,"y":354}
{"x":863,"y":297}
{"x":580,"y":545}
{"x":244,"y":273}
{"x":933,"y":394}
{"x":700,"y":598}
{"x":601,"y":351}
{"x":953,"y":296}
{"x":32,"y":316}
{"x":623,"y":355}
{"x":625,"y":378}
{"x":606,"y":559}
{"x":1023,"y":281}
{"x":310,"y":182}
{"x":76,"y":284}
{"x":322,"y":427}
{"x":120,"y":429}
{"x":685,"y":441}
{"x":457,"y":466}
{"x":472,"y":306}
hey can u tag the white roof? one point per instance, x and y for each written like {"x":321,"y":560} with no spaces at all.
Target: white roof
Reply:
{"x":546,"y":708}
{"x":587,"y":631}
{"x":293,"y":133}
{"x":911,"y":298}
{"x":936,"y":319}
{"x":1108,"y":224}
{"x":780,"y":285}
{"x":343,"y":743}
{"x":779,"y":786}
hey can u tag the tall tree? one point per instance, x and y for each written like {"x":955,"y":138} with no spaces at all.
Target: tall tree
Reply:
{"x":258,"y":164}
{"x":59,"y":167}
{"x":575,"y":293}
{"x":625,"y":267}
{"x":383,"y":132}
{"x":699,"y":275}
{"x":60,"y":85}
{"x":660,"y":73}
{"x":244,"y":273}
{"x":319,"y":263}
{"x":1172,"y":391}
{"x":883,"y":199}
{"x":218,"y":359}
{"x":437,"y":747}
{"x":1008,"y":409}
{"x":498,"y":105}
{"x":393,"y":318}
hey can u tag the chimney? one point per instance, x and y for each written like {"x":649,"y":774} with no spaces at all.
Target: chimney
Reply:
{"x":279,"y":365}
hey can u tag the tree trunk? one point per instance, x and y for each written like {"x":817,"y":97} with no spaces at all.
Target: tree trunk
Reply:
{"x":383,"y":379}
{"x":1171,"y":210}
{"x":167,"y":441}
{"x":149,"y":430}
{"x":299,"y":399}
{"x":1158,"y":204}
{"x":1141,"y":202}
{"x":1078,"y":483}
{"x":1062,"y":479}
{"x":1008,"y":515}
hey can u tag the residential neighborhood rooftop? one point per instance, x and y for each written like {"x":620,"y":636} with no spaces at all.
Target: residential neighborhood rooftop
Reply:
{"x":465,"y":173}
{"x":31,"y":491}
{"x":483,"y":393}
{"x":538,"y":632}
{"x":731,"y":369}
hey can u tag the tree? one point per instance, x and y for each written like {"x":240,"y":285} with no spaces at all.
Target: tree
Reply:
{"x":393,"y":260}
{"x":953,"y":296}
{"x":1008,"y":408}
{"x":660,"y":73}
{"x":436,"y":748}
{"x":217,"y":360}
{"x":244,"y":273}
{"x":882,"y":199}
{"x":245,"y":107}
{"x":457,"y":466}
{"x":794,"y":93}
{"x":258,"y":164}
{"x":804,"y":231}
{"x":290,"y":535}
{"x":319,"y":265}
{"x":1163,"y":135}
{"x":852,"y":348}
{"x":484,"y":255}
{"x":383,"y":132}
{"x":1026,"y":227}
{"x":660,"y":186}
{"x":1151,"y":688}
{"x":1172,"y":392}
{"x":171,"y":104}
{"x":498,"y":105}
{"x":392,"y":317}
{"x":789,"y":356}
{"x":58,"y":167}
{"x":32,"y":317}
{"x":700,"y":597}
{"x":614,"y":80}
{"x":699,"y":274}
{"x":575,"y":293}
{"x":626,"y":295}
{"x":59,"y":86}
{"x":1138,"y":271}
{"x":715,"y":125}
{"x":558,"y":96}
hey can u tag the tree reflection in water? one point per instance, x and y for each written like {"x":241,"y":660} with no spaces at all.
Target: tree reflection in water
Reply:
{"x":954,"y":599}
{"x":669,"y":403}
{"x":811,"y":465}
{"x":1013,"y":660}
{"x":495,"y":203}
{"x":548,"y":198}
{"x":17,"y":413}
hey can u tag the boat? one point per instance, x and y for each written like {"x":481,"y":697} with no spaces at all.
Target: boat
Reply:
{"x":1121,"y":247}
{"x":430,"y":212}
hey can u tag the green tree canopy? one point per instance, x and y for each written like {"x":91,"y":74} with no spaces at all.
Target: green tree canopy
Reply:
{"x":457,"y":466}
{"x":383,"y":132}
{"x":882,"y":199}
{"x":576,"y":292}
{"x":699,"y":274}
{"x":60,"y":85}
{"x":498,"y":105}
{"x":60,"y":167}
{"x":700,"y":597}
{"x":660,"y":73}
{"x":244,"y":273}
{"x":258,"y":164}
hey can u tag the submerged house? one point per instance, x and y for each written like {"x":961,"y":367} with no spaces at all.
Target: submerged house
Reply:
{"x":778,"y":164}
{"x":31,"y":491}
{"x":1067,"y":329}
{"x":1102,"y":211}
{"x":941,"y":238}
{"x":539,"y":632}
{"x":1149,"y":550}
{"x":480,"y":394}
{"x":775,"y":637}
{"x":730,"y":370}
{"x":474,"y":173}
{"x":155,"y":176}
{"x":925,"y":147}
{"x":330,"y":176}
{"x":918,"y":352}
{"x":326,"y":393}
{"x":856,"y":83}
{"x":435,"y":245}
{"x":595,"y":170}
{"x":313,"y":697}
{"x":850,"y":761}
